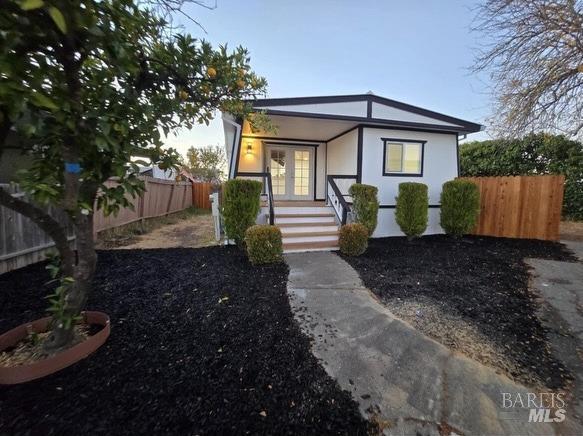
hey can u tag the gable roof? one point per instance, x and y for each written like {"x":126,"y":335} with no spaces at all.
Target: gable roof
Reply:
{"x":367,"y":109}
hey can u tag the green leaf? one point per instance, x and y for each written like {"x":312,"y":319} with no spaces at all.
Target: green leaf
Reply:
{"x":29,"y":5}
{"x":58,"y":18}
{"x":42,"y":100}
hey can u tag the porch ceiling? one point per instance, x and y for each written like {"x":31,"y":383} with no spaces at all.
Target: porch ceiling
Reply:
{"x":309,"y":129}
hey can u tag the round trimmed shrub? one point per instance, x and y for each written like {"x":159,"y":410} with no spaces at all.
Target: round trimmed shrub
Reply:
{"x":460,"y":207}
{"x":365,"y":205}
{"x":353,"y":239}
{"x":241,"y":205}
{"x":263,"y":244}
{"x":412,"y":209}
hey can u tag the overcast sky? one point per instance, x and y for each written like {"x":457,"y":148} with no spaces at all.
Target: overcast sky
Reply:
{"x":415,"y":51}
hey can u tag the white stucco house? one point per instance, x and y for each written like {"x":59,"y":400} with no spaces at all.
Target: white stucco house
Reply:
{"x":325,"y":144}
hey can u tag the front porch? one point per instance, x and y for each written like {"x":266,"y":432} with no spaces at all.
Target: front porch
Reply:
{"x":301,"y":197}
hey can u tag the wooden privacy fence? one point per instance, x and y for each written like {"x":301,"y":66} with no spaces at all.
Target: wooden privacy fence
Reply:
{"x":520,"y":206}
{"x":160,"y":198}
{"x":22,"y":242}
{"x":200,"y":195}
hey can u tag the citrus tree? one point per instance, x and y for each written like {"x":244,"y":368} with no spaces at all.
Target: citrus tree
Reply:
{"x":87,"y":86}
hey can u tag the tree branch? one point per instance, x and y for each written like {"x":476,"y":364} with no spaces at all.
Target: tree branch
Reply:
{"x":46,"y":222}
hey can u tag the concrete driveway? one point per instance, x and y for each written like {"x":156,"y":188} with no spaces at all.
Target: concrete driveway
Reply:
{"x":561,"y":286}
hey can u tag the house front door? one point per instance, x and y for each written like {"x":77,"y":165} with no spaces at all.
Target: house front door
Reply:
{"x":292,"y":171}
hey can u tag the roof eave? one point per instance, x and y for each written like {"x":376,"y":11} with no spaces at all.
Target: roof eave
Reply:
{"x":468,"y":126}
{"x":379,"y":122}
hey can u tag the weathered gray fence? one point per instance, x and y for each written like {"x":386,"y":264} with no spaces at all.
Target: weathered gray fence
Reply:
{"x":22,"y":242}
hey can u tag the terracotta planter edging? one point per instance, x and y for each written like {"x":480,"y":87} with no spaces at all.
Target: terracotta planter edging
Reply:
{"x":23,"y":373}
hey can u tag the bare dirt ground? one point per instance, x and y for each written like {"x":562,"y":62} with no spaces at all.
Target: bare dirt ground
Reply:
{"x":191,"y":228}
{"x":196,"y":231}
{"x":572,"y":230}
{"x":456,"y":333}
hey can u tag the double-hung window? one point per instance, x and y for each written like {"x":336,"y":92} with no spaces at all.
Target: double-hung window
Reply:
{"x":403,"y":157}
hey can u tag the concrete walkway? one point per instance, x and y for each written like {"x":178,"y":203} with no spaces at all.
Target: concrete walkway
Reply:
{"x":404,"y":380}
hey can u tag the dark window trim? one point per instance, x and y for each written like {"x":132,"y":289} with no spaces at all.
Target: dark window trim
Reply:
{"x":393,"y":174}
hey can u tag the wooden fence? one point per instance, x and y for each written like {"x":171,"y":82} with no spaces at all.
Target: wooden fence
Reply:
{"x":200,"y":195}
{"x":520,"y":207}
{"x":22,"y":242}
{"x":160,"y":198}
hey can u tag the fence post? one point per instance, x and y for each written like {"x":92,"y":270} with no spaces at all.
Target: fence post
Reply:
{"x":141,"y":204}
{"x":170,"y":197}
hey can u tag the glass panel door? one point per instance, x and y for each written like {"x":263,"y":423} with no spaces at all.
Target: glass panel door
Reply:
{"x":292,"y":171}
{"x":277,"y":167}
{"x":301,"y":173}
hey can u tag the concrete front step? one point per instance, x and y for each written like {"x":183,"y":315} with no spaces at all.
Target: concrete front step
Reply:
{"x":288,"y":232}
{"x":324,"y":226}
{"x":291,"y":247}
{"x":306,"y":220}
{"x":302,"y":210}
{"x":306,"y":227}
{"x":292,"y":239}
{"x":301,"y":203}
{"x":303,"y":214}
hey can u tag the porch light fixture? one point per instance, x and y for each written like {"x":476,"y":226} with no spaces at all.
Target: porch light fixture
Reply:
{"x":249,"y":148}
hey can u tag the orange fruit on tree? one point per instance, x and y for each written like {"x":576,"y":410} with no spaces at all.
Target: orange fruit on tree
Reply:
{"x":212,"y":73}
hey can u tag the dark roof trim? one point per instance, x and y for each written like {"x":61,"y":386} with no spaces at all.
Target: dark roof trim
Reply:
{"x":277,"y":138}
{"x":369,"y":99}
{"x":381,"y":122}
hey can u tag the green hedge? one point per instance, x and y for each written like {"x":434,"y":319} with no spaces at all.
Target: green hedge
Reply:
{"x":353,"y":239}
{"x":365,"y":205}
{"x":460,"y":207}
{"x":263,"y":244}
{"x":412,"y":208}
{"x":241,"y":204}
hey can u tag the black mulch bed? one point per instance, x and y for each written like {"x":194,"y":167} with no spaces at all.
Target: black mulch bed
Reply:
{"x":178,"y":360}
{"x":483,"y":280}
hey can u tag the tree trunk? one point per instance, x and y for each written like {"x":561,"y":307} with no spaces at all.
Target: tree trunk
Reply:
{"x":80,"y":266}
{"x":83,"y":273}
{"x":46,"y":222}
